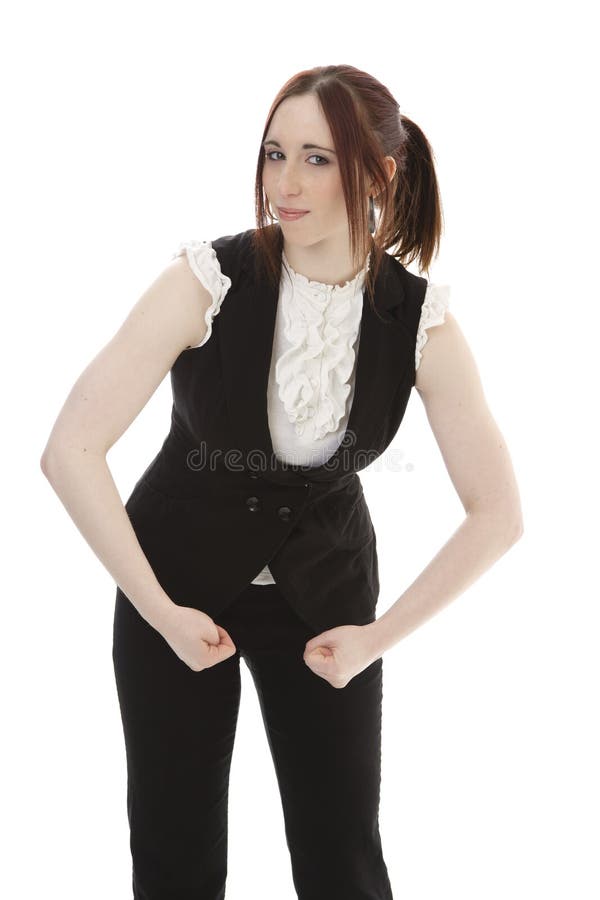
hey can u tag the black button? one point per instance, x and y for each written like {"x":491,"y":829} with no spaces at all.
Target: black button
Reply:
{"x":285,"y":513}
{"x":253,"y":503}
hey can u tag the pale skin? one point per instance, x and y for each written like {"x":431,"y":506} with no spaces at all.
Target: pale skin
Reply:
{"x":170,"y":316}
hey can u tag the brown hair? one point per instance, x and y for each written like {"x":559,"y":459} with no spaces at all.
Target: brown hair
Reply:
{"x":366,"y":126}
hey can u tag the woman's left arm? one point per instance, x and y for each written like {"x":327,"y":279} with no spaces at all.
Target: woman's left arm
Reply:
{"x":481,"y":471}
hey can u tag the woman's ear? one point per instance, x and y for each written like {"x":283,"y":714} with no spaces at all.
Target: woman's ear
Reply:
{"x":390,"y":165}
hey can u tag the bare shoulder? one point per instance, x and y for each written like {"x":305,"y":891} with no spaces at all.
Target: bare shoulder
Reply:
{"x":470,"y":440}
{"x":118,"y":382}
{"x":447,"y":367}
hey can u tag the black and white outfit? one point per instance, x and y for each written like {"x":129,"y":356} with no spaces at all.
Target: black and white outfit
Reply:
{"x":252,"y":511}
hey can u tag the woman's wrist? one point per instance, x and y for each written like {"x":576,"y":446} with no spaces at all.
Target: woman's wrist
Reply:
{"x":377,"y":638}
{"x":156,"y":609}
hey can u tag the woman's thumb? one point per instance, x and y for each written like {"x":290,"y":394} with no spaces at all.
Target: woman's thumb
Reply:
{"x":226,"y":645}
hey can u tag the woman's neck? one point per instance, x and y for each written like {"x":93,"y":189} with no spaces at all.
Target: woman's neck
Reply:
{"x":321,"y":266}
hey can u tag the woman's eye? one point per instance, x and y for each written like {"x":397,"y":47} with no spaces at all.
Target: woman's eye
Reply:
{"x":268,"y":155}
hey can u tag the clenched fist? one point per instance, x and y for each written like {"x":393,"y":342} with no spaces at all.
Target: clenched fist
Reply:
{"x":196,"y":638}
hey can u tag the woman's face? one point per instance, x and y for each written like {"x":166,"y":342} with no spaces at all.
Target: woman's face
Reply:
{"x":304,"y":178}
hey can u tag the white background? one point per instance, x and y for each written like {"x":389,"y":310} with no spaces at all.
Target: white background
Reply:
{"x":129,"y":127}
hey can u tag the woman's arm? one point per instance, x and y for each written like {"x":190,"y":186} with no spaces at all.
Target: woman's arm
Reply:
{"x":104,"y":401}
{"x":480,"y":468}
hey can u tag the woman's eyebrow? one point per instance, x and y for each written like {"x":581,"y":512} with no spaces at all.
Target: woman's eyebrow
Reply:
{"x":304,"y":146}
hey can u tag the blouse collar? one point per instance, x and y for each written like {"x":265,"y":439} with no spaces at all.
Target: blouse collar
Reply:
{"x":348,"y":287}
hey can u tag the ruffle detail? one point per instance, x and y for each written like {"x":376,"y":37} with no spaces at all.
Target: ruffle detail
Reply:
{"x":321,"y":322}
{"x":433,"y":311}
{"x":204,"y":263}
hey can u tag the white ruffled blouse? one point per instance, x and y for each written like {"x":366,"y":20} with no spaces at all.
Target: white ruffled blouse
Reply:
{"x":315,"y":345}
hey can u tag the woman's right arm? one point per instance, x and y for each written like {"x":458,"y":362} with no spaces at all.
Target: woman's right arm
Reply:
{"x":104,"y":401}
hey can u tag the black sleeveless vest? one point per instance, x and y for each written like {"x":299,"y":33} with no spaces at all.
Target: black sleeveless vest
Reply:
{"x":215,"y":504}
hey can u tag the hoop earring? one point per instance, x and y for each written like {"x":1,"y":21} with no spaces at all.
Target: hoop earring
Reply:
{"x":371,"y":214}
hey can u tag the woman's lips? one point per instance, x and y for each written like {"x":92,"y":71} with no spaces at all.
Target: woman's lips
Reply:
{"x":290,"y":216}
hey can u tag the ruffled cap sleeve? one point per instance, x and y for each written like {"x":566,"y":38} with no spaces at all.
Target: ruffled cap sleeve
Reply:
{"x":433,"y":312}
{"x":204,"y":263}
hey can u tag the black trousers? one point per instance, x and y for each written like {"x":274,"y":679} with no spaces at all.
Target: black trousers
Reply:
{"x":179,"y":728}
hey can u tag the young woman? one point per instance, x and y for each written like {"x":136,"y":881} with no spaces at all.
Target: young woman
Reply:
{"x":293,"y":349}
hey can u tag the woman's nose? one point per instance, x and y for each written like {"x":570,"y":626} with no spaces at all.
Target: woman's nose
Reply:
{"x":289,"y":182}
